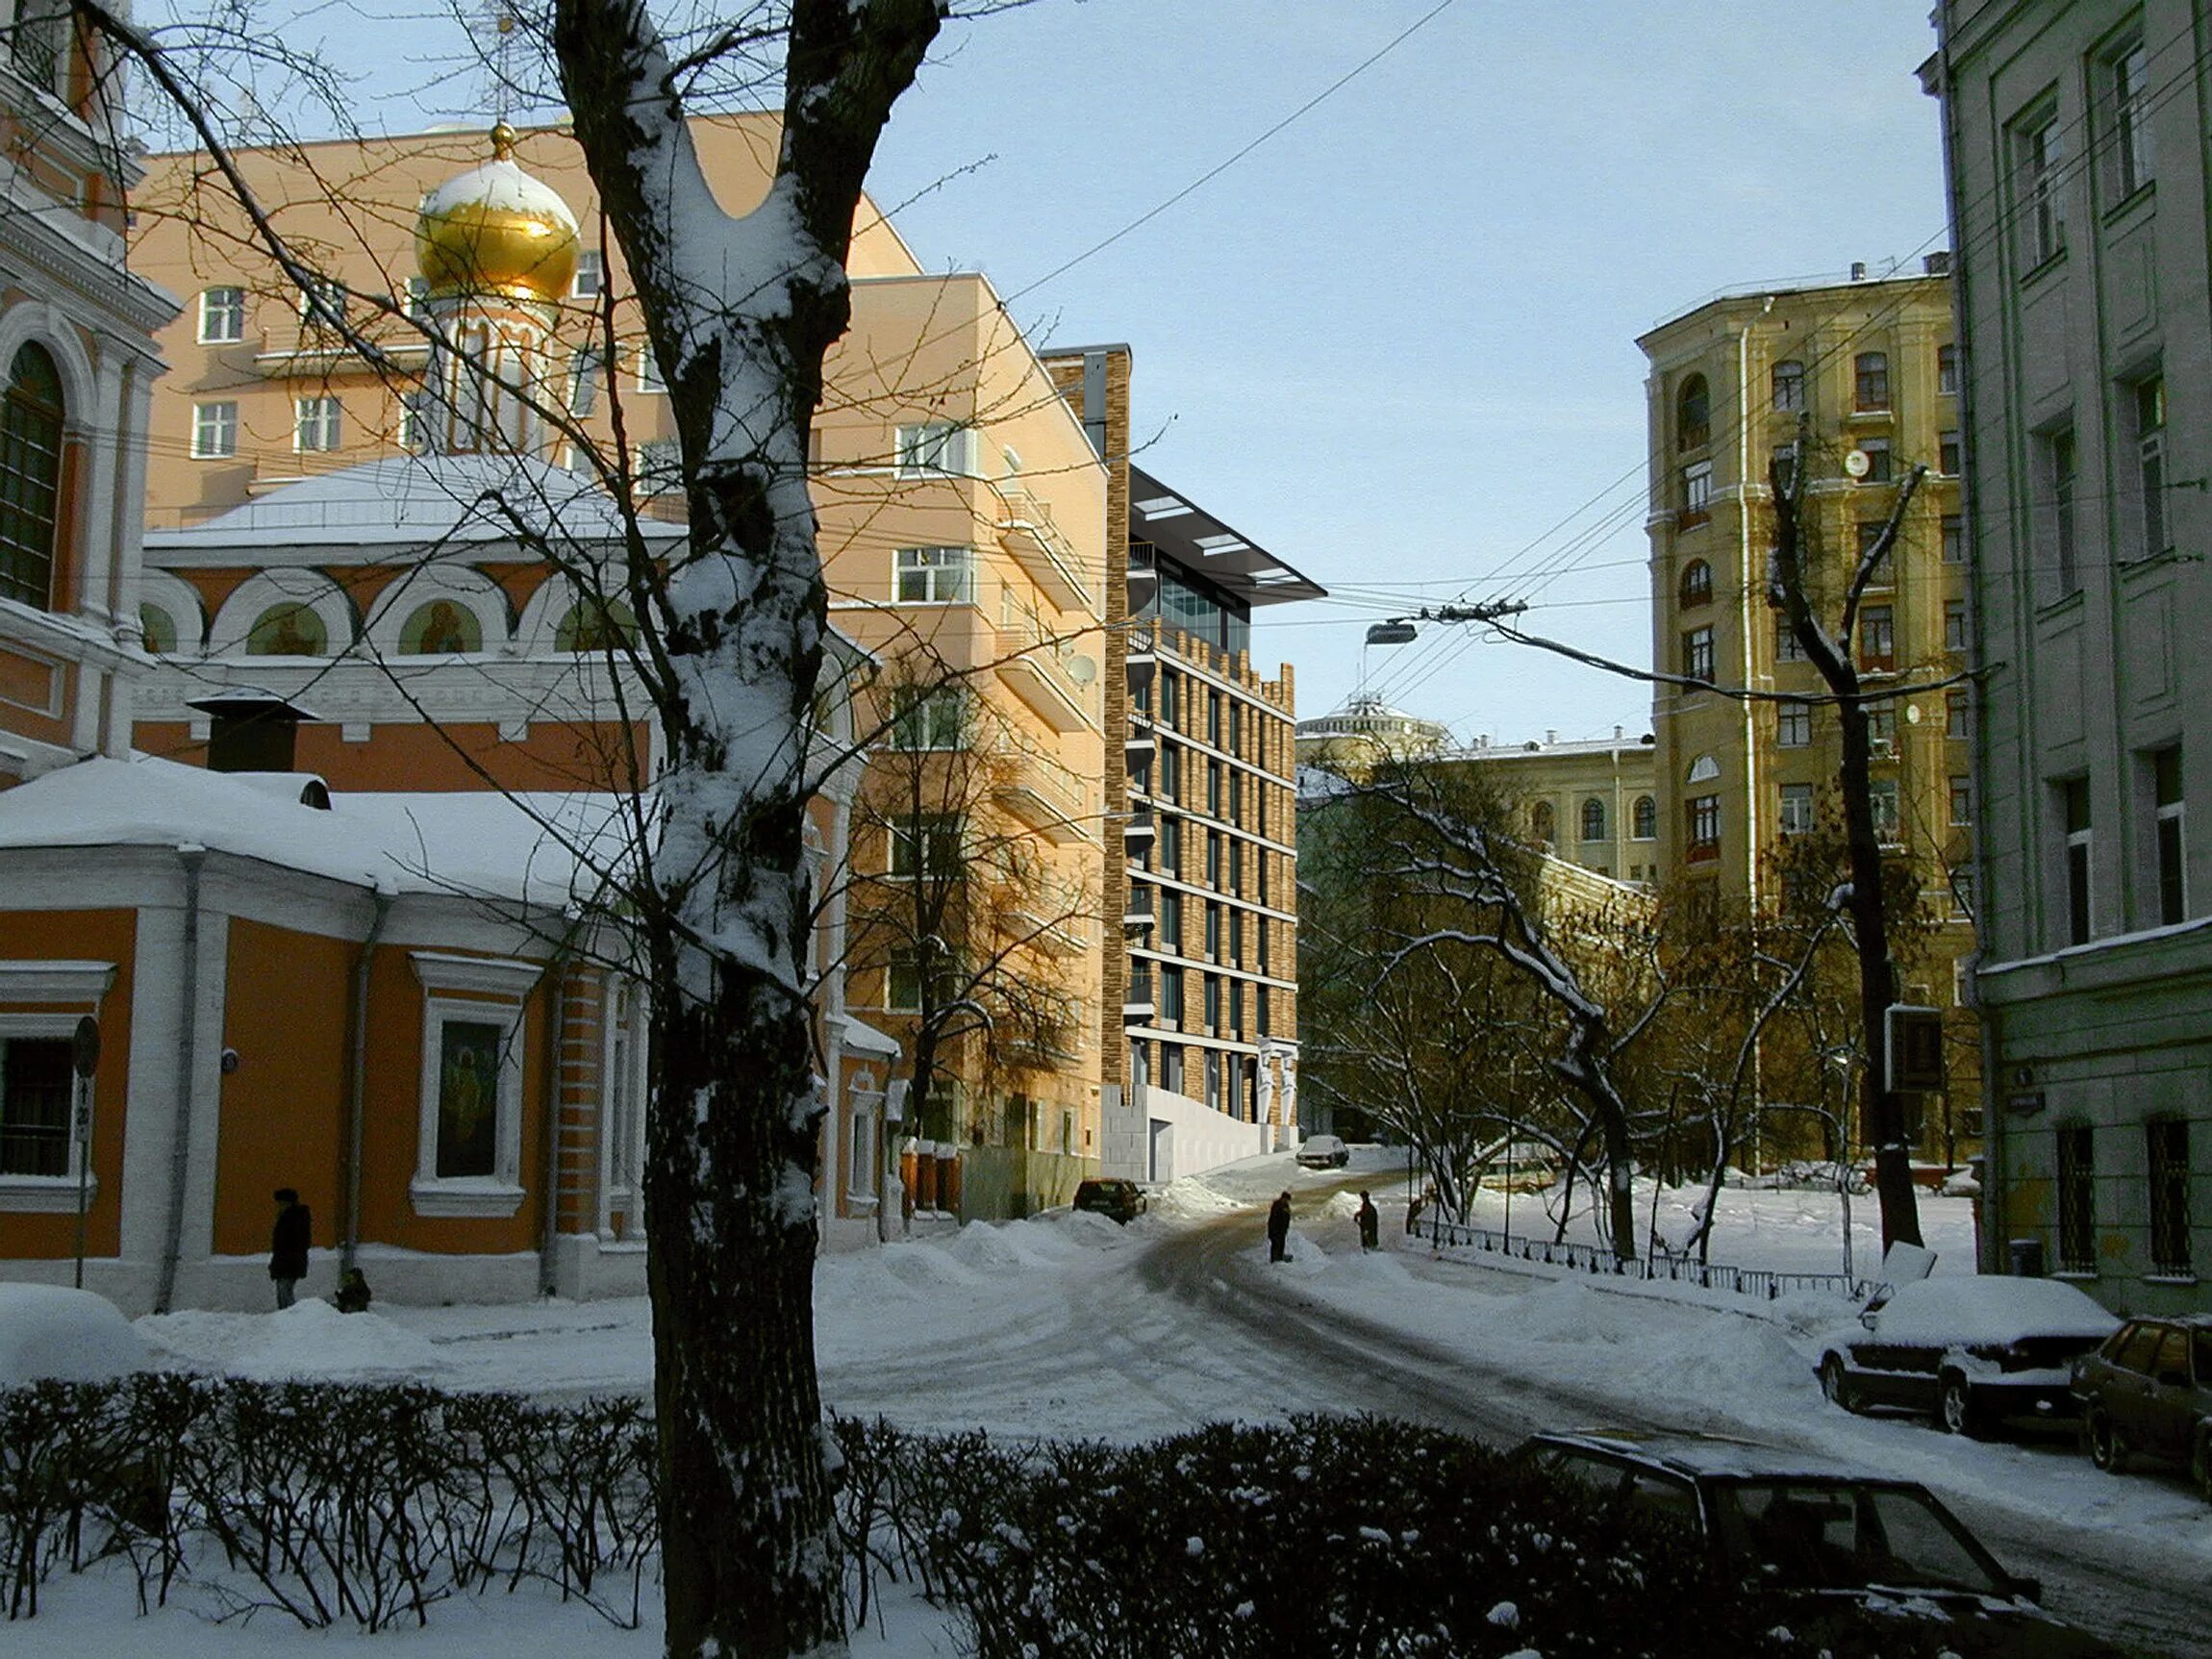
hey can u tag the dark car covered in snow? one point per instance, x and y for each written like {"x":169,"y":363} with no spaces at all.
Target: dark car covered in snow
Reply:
{"x":1973,"y":1353}
{"x":2149,"y":1390}
{"x":1804,"y":1533}
{"x":1117,"y":1199}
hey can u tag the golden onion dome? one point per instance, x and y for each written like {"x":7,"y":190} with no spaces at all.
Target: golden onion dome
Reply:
{"x":495,"y":230}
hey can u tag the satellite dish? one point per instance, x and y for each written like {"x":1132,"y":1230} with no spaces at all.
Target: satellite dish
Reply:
{"x":1082,"y":669}
{"x":1391,"y":633}
{"x":1858,"y":463}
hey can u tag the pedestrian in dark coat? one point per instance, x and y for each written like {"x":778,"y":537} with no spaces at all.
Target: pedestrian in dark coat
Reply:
{"x":288,"y":1245}
{"x":1279,"y":1229}
{"x":1413,"y":1209}
{"x":1370,"y":1223}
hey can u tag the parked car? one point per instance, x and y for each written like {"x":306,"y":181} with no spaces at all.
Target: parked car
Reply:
{"x":1121,"y":1200}
{"x":1971,"y":1351}
{"x":1323,"y":1152}
{"x":2149,"y":1390}
{"x":1806,"y":1532}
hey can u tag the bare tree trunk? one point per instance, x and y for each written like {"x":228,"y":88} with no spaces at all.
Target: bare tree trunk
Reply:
{"x":740,"y":312}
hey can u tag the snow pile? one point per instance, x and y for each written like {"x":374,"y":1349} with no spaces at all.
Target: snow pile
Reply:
{"x":310,"y":1339}
{"x":52,"y":1332}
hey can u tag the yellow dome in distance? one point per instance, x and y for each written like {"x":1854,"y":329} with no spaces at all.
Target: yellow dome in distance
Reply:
{"x":495,"y":230}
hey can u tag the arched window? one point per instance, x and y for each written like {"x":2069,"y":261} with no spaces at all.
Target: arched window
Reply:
{"x":159,"y":629}
{"x":596,"y":625}
{"x":1592,"y":819}
{"x":1697,"y":583}
{"x":1788,"y":378}
{"x":1544,"y":824}
{"x":1693,"y":414}
{"x":441,"y":628}
{"x":288,"y":630}
{"x":30,"y":477}
{"x":1644,"y":819}
{"x":1703,"y":769}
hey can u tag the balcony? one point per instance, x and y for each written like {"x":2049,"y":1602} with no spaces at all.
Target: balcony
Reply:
{"x":1138,"y":744}
{"x":1045,"y":795}
{"x":1043,"y":673}
{"x":1053,"y":933}
{"x":1137,"y":1008}
{"x":1142,"y":660}
{"x":1026,"y":530}
{"x":1137,"y":831}
{"x":1137,"y":909}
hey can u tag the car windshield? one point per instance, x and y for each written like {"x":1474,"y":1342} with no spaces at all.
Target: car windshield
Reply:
{"x":1844,"y":1535}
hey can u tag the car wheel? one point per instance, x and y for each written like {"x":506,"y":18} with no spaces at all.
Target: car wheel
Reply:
{"x":1836,"y":1383}
{"x":2104,"y":1447}
{"x":1956,"y":1409}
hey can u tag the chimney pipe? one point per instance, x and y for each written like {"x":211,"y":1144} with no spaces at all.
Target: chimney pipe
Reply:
{"x":251,"y":731}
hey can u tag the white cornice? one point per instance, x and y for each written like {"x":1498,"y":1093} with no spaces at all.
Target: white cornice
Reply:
{"x":76,"y":983}
{"x":482,"y":975}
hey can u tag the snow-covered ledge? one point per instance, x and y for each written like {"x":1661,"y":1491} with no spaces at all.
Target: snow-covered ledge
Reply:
{"x":44,"y":1194}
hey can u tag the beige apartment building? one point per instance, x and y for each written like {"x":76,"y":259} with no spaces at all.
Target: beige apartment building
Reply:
{"x":1871,"y":367}
{"x":964,"y":528}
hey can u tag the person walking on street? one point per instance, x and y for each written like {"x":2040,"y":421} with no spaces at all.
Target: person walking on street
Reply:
{"x":1279,"y":1229}
{"x":288,"y":1245}
{"x":1370,"y":1222}
{"x":1413,"y":1209}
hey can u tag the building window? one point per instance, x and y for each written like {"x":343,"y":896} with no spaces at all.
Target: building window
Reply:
{"x":2167,"y":826}
{"x":1958,"y":714}
{"x":936,"y":575}
{"x":1214,"y":719}
{"x":1698,"y":654}
{"x":323,"y":303}
{"x":2076,"y":1206}
{"x":1171,"y":771}
{"x":1787,"y":380}
{"x":1782,"y":468}
{"x":1702,"y":816}
{"x":1692,"y":415}
{"x":2043,"y":209}
{"x":926,"y":845}
{"x":1797,"y":817}
{"x":1878,"y":638}
{"x":214,"y":430}
{"x":1951,"y":454}
{"x":2131,"y":146}
{"x":1697,"y":583}
{"x":35,"y":1081}
{"x":2166,"y":1141}
{"x":1696,"y":495}
{"x":591,"y":274}
{"x":2151,"y":460}
{"x":1788,"y":647}
{"x":1870,"y":385}
{"x":2074,"y":814}
{"x":1544,"y":824}
{"x":928,"y":717}
{"x":1644,"y":818}
{"x":1592,"y":819}
{"x":415,"y":422}
{"x":1953,"y":538}
{"x":1214,"y":788}
{"x":1211,"y":985}
{"x":222,"y":316}
{"x":1213,"y":930}
{"x":902,"y":981}
{"x":2058,"y":480}
{"x":316,"y":425}
{"x":1954,"y":625}
{"x":1170,"y":907}
{"x":31,"y":426}
{"x":1793,"y":725}
{"x":1876,"y":450}
{"x":288,"y":630}
{"x":1170,"y":846}
{"x":1946,"y":370}
{"x":469,"y":1161}
{"x":1172,"y":1008}
{"x":1882,"y":798}
{"x":418,"y":297}
{"x":936,"y":449}
{"x":1214,"y":860}
{"x":1882,"y":727}
{"x":1961,"y":801}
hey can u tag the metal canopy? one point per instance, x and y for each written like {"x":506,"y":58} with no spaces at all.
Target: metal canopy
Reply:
{"x":1188,"y":536}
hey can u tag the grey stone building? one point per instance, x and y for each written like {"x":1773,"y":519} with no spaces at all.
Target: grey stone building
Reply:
{"x":2076,"y":137}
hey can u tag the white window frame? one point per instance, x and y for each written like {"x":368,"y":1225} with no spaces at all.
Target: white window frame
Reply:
{"x":323,"y":303}
{"x":1798,"y":810}
{"x":862,"y":1153}
{"x":60,"y":993}
{"x":2134,"y":153}
{"x":229,"y":311}
{"x":2041,"y":151}
{"x":934,"y":449}
{"x":649,"y":381}
{"x":1793,"y":725}
{"x":934,"y":565}
{"x":590,"y":279}
{"x":216,"y":430}
{"x":478,"y":991}
{"x":316,"y":419}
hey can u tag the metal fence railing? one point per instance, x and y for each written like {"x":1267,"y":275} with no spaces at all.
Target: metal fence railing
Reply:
{"x":1766,"y":1283}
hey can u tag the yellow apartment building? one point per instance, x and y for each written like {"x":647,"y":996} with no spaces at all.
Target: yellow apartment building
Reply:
{"x":1872,"y":368}
{"x":964,"y":527}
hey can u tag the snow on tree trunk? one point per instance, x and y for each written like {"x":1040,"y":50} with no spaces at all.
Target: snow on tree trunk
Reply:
{"x":740,"y":312}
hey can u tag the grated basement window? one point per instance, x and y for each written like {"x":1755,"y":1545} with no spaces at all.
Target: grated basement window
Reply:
{"x":2076,"y":1213}
{"x":2168,"y":1144}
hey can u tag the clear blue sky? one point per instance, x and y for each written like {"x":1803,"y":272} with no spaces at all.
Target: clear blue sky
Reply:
{"x":1395,"y":344}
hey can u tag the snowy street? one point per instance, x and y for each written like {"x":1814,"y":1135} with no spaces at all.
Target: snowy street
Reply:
{"x":1067,"y":1325}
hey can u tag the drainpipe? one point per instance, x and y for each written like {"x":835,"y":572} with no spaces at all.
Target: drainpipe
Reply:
{"x":550,"y":1150}
{"x":191,"y":856}
{"x":357,"y":1078}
